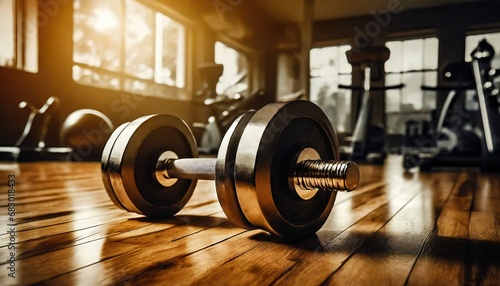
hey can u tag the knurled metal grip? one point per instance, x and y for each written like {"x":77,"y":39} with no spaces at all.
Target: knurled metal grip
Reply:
{"x":326,"y":175}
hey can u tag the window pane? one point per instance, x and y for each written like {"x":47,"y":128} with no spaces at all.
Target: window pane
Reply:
{"x":101,"y":79}
{"x":335,"y":102}
{"x":329,"y":68}
{"x":324,"y":62}
{"x":329,"y":61}
{"x":234,"y":77}
{"x":408,"y":64}
{"x":431,"y":53}
{"x":19,"y":43}
{"x":344,"y":65}
{"x":412,"y":92}
{"x":170,"y":49}
{"x":97,"y":33}
{"x":146,"y":87}
{"x":392,"y":96}
{"x":127,"y":46}
{"x":430,"y":79}
{"x":395,"y":61}
{"x":7,"y":33}
{"x":342,"y":97}
{"x":139,"y":37}
{"x":413,"y":54}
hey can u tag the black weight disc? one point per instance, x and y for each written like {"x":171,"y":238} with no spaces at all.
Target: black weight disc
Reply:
{"x":131,"y":165}
{"x":266,"y":158}
{"x":224,"y":172}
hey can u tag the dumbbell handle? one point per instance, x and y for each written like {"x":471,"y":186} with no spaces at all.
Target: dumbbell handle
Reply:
{"x":308,"y":174}
{"x":192,"y":168}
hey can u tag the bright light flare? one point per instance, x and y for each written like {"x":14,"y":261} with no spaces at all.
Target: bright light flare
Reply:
{"x":104,"y":19}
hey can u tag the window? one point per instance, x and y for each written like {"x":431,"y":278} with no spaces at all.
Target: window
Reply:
{"x":124,"y":45}
{"x":329,"y":68}
{"x":413,"y":63}
{"x":493,"y":39}
{"x":19,"y":34}
{"x":234,"y":78}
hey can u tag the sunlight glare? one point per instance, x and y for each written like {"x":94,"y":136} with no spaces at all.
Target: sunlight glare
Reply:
{"x":104,"y":20}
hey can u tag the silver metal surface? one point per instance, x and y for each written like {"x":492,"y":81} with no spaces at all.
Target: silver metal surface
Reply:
{"x":191,"y":168}
{"x":126,"y":168}
{"x":326,"y":175}
{"x":224,"y":170}
{"x":305,"y":191}
{"x":269,"y":173}
{"x":117,"y":168}
{"x":482,"y":105}
{"x":262,"y":197}
{"x":105,"y":174}
{"x":161,"y":172}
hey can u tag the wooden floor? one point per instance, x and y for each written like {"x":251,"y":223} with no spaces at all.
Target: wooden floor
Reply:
{"x":417,"y":229}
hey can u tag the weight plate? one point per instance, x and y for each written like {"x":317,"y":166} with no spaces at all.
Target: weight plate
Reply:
{"x":131,"y":165}
{"x":224,"y":172}
{"x":265,"y":160}
{"x":104,"y":164}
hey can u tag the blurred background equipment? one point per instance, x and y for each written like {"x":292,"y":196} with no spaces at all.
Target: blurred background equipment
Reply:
{"x":31,"y":144}
{"x":467,"y":133}
{"x":224,"y":108}
{"x":86,"y":131}
{"x":368,"y":140}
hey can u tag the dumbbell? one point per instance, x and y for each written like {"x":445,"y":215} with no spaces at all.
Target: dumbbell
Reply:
{"x":277,"y":168}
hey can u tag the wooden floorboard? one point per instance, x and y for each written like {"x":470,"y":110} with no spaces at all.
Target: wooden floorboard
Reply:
{"x":440,"y":228}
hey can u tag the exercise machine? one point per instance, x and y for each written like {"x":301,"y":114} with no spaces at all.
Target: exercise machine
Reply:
{"x":83,"y":134}
{"x":467,"y":133}
{"x":223,"y":108}
{"x":367,"y":143}
{"x":30,"y":146}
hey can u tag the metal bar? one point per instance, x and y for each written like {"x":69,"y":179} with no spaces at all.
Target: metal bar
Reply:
{"x":482,"y":105}
{"x":194,"y":168}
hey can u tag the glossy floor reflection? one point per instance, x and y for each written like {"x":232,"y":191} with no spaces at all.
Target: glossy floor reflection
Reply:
{"x":414,"y":228}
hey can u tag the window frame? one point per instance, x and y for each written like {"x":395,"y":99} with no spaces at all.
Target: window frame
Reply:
{"x":250,"y":55}
{"x":243,"y":53}
{"x":340,"y":126}
{"x":422,"y":112}
{"x":477,"y":32}
{"x":25,"y":36}
{"x":171,"y":92}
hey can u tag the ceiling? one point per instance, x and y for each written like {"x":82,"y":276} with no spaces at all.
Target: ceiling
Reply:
{"x":284,"y":11}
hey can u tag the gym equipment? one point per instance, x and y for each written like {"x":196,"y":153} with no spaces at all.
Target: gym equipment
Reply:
{"x":224,"y":109}
{"x":86,"y":131}
{"x":276,"y":168}
{"x":466,"y":134}
{"x":38,"y":122}
{"x":368,"y":140}
{"x":31,"y":144}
